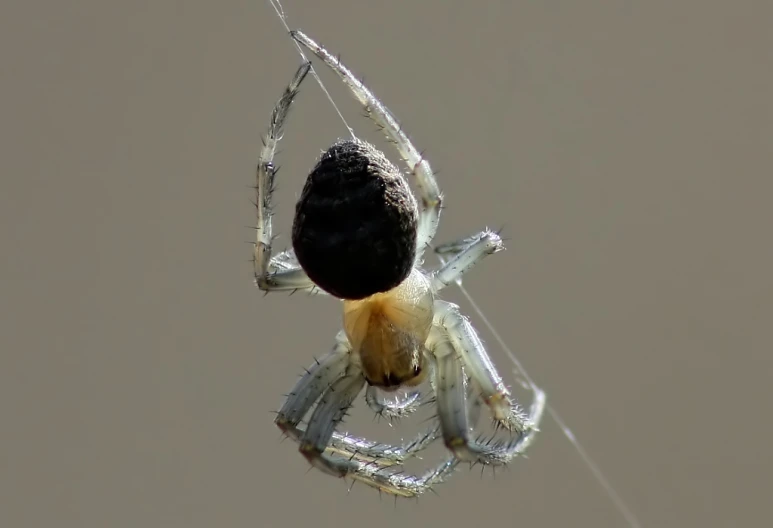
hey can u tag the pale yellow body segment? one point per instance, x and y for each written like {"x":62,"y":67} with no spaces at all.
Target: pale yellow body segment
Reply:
{"x":389,"y":330}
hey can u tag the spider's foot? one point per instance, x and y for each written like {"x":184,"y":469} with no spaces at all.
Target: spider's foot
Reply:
{"x":517,"y":421}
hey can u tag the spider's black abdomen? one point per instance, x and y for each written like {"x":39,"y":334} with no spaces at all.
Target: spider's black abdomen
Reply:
{"x":355,"y":223}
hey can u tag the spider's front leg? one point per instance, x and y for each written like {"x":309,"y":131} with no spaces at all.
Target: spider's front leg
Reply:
{"x":332,"y":383}
{"x":455,"y":422}
{"x":280,"y":272}
{"x":459,"y":350}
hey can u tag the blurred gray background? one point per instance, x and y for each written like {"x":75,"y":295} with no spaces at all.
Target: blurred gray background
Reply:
{"x":625,"y":148}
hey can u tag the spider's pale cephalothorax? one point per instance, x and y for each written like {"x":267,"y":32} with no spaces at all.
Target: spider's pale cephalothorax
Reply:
{"x":359,"y":235}
{"x":388,"y":331}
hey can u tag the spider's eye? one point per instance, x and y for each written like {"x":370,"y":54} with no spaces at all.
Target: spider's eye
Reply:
{"x":355,"y":223}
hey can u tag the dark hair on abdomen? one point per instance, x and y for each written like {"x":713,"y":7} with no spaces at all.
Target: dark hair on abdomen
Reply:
{"x":355,"y":223}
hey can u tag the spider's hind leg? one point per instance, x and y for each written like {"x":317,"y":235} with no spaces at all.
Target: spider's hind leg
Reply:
{"x":429,"y":192}
{"x":272,"y":273}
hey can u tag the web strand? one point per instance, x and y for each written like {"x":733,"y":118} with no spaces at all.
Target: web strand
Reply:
{"x":619,"y":503}
{"x":280,"y":12}
{"x":520,"y":372}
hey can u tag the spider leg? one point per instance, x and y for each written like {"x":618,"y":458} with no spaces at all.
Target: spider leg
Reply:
{"x":286,"y":269}
{"x":392,"y":480}
{"x":380,"y":453}
{"x":449,"y":249}
{"x":386,"y":454}
{"x":379,"y":465}
{"x":396,"y":482}
{"x":321,"y":375}
{"x":316,"y":440}
{"x":275,"y":273}
{"x":328,"y":413}
{"x":401,"y":407}
{"x":335,"y":382}
{"x":465,"y":257}
{"x":312,"y":385}
{"x":429,"y":192}
{"x":454,"y":419}
{"x":458,"y":331}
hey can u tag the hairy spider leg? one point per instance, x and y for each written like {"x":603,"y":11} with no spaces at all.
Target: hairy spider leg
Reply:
{"x":389,"y":455}
{"x":280,"y":272}
{"x":449,"y":249}
{"x":402,"y":406}
{"x":455,"y":422}
{"x":466,"y":254}
{"x":335,"y":380}
{"x":429,"y":192}
{"x":460,"y":334}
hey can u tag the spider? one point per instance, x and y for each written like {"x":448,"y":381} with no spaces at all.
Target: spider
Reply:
{"x":360,"y":236}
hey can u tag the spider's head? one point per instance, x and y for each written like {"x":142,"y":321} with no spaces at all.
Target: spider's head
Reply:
{"x":354,"y":232}
{"x":389,"y":330}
